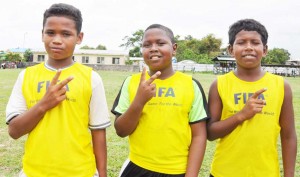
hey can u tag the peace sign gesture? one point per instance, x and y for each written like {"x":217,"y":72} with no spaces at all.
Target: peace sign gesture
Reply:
{"x":253,"y":105}
{"x":147,"y":88}
{"x":56,"y":92}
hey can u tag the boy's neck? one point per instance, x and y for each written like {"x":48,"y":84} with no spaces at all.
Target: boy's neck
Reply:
{"x":165,"y":74}
{"x":59,"y":64}
{"x":249,"y":75}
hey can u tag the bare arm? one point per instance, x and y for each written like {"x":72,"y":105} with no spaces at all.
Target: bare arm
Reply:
{"x":25,"y":123}
{"x":127,"y":122}
{"x":217,"y":128}
{"x":197,"y":149}
{"x":100,"y":151}
{"x":288,"y":133}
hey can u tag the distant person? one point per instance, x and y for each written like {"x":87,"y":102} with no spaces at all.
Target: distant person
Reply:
{"x":249,"y":108}
{"x":61,"y":105}
{"x":163,"y":112}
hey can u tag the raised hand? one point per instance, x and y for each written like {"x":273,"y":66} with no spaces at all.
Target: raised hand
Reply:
{"x":253,"y":105}
{"x":55,"y":93}
{"x":147,"y":88}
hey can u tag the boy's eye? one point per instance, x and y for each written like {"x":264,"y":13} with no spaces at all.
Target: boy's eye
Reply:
{"x":146,"y":45}
{"x":240,"y":42}
{"x":49,"y":33}
{"x":256,"y":42}
{"x":66,"y":34}
{"x":161,"y":43}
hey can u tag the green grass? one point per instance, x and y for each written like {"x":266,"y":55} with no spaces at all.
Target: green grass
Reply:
{"x":11,"y":150}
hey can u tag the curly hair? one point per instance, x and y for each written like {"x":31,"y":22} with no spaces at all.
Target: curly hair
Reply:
{"x":247,"y":25}
{"x":64,"y":10}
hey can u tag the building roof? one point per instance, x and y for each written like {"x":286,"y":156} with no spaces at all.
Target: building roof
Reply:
{"x":187,"y":62}
{"x":90,"y":52}
{"x":100,"y":52}
{"x":17,"y":50}
{"x":223,"y":58}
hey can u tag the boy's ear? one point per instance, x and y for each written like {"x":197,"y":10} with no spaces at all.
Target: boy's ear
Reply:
{"x":79,"y":38}
{"x":265,"y":50}
{"x":174,"y":49}
{"x":230,"y":50}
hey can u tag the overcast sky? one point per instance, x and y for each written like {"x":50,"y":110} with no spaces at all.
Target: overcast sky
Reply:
{"x":107,"y":22}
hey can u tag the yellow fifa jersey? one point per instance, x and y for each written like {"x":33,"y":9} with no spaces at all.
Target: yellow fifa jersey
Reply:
{"x":162,"y":139}
{"x":60,"y":144}
{"x":250,"y":150}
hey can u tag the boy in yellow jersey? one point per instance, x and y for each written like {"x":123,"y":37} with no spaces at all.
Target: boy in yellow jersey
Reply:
{"x":249,"y":108}
{"x":163,"y":112}
{"x":61,"y":105}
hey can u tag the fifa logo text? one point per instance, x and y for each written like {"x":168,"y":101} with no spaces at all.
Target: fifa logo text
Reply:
{"x":238,"y":97}
{"x":45,"y":84}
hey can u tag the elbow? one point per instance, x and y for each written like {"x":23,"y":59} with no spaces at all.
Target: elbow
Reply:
{"x":13,"y":134}
{"x":210,"y":138}
{"x":121,"y":134}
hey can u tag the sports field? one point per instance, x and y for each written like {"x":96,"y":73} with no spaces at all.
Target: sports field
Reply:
{"x":11,"y":150}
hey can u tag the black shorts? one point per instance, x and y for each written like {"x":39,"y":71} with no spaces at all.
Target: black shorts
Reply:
{"x":132,"y":170}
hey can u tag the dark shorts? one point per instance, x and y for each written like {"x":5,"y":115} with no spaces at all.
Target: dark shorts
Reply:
{"x":132,"y":170}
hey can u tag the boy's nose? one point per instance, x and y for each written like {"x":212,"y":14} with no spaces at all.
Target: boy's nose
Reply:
{"x":153,"y":47}
{"x":57,"y":39}
{"x":249,"y":45}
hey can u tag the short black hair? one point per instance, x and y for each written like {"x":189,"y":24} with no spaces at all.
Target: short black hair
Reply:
{"x":64,"y":10}
{"x":168,"y":31}
{"x":247,"y":25}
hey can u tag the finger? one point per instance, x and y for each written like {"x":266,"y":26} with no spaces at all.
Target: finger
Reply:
{"x":55,"y":78}
{"x":65,"y":82}
{"x":257,"y":93}
{"x":153,"y":77}
{"x":62,"y":91}
{"x":143,"y":75}
{"x":153,"y":86}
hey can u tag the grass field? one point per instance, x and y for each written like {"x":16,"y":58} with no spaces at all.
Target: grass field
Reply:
{"x":11,"y":150}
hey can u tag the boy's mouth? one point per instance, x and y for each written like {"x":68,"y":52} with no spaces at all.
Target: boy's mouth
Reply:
{"x":155,"y":57}
{"x":248,"y":56}
{"x":56,"y":49}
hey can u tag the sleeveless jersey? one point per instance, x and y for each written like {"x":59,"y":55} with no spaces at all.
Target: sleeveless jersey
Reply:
{"x":250,"y":150}
{"x":60,"y":144}
{"x":162,"y":138}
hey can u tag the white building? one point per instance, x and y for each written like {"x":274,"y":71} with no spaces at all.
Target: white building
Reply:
{"x":105,"y":57}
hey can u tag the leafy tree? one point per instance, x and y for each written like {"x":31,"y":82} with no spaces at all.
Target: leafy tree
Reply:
{"x":135,"y":52}
{"x":28,"y":55}
{"x":188,"y":48}
{"x":86,"y":47}
{"x":276,"y":56}
{"x":13,"y":57}
{"x":133,"y":41}
{"x":101,"y":47}
{"x":198,"y":50}
{"x":210,"y":44}
{"x":2,"y":56}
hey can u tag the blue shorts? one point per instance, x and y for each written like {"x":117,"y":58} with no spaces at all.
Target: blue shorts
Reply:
{"x":130,"y":169}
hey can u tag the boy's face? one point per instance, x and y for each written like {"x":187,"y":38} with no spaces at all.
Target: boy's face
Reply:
{"x":158,"y":50}
{"x":60,"y":37}
{"x":248,"y":49}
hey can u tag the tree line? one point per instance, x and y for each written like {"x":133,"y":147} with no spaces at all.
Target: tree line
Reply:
{"x":199,"y":50}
